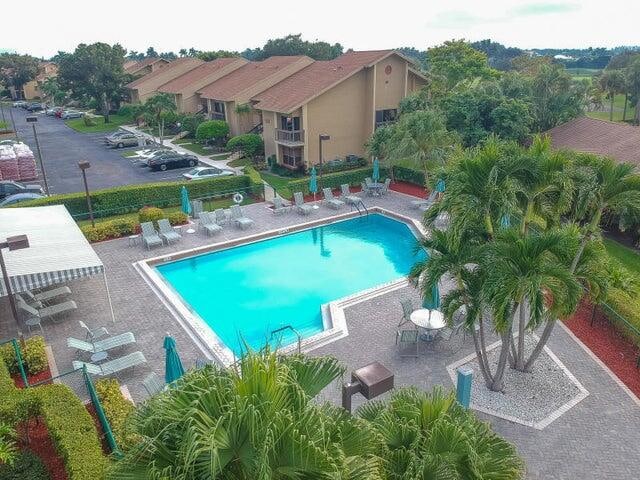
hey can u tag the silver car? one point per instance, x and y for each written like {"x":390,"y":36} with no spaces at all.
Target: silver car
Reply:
{"x":71,"y":114}
{"x":127,"y":139}
{"x":207,"y":172}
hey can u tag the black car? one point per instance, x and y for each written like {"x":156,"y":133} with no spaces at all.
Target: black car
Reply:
{"x":171,"y":160}
{"x":36,"y":107}
{"x":8,"y":187}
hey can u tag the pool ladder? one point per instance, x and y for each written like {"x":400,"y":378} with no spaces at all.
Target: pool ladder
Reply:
{"x":289,"y":327}
{"x":361,"y":207}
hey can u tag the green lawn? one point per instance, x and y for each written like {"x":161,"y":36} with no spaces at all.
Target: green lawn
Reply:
{"x":281,"y":184}
{"x":182,"y":140}
{"x":196,"y":148}
{"x":618,"y":107}
{"x":3,"y":125}
{"x":114,"y":123}
{"x":625,"y":255}
{"x":240,"y":162}
{"x":130,"y":153}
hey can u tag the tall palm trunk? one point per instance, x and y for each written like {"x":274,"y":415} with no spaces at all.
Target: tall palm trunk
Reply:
{"x":522,"y":324}
{"x":611,"y":94}
{"x":624,"y":110}
{"x":498,"y":378}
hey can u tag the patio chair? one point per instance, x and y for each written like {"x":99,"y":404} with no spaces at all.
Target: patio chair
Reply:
{"x":113,"y":366}
{"x":150,"y":237}
{"x":330,"y":200}
{"x":102,"y":345}
{"x":301,"y":207}
{"x":385,"y":188}
{"x":346,"y":195}
{"x":46,"y":295}
{"x":153,"y":384}
{"x":407,"y":309}
{"x":239,"y":219}
{"x":196,"y":208}
{"x":408,"y":339}
{"x":221,"y":216}
{"x":45,"y":312}
{"x":279,"y":206}
{"x":453,"y":337}
{"x":208,"y":223}
{"x":93,"y":334}
{"x":425,"y":202}
{"x":167,"y":232}
{"x":365,"y":188}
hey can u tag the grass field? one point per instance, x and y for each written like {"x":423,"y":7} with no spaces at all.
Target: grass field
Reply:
{"x":196,"y":148}
{"x":625,"y":255}
{"x":239,"y":162}
{"x":281,"y":184}
{"x":618,"y":107}
{"x":114,"y":123}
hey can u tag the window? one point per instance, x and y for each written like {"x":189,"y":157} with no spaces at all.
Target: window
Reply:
{"x":290,"y":123}
{"x":291,"y":156}
{"x":386,"y":116}
{"x":219,"y":111}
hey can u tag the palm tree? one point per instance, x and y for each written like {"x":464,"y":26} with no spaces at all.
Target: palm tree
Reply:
{"x":51,"y":88}
{"x":612,"y":82}
{"x":256,"y":420}
{"x":430,"y":436}
{"x":158,"y":106}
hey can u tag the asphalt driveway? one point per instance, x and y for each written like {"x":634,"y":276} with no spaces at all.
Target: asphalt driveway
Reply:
{"x":62,"y":149}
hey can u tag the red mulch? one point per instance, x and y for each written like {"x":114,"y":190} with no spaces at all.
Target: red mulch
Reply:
{"x":609,"y":345}
{"x":402,"y":187}
{"x":38,"y":377}
{"x":39,"y":442}
{"x":103,"y":440}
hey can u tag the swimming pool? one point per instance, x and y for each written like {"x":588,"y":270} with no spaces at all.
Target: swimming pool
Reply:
{"x":244,"y":293}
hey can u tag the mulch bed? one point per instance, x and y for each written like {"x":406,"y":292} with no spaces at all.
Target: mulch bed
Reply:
{"x":39,"y":442}
{"x":402,"y":187}
{"x":32,"y":379}
{"x":103,"y":440}
{"x":609,"y":345}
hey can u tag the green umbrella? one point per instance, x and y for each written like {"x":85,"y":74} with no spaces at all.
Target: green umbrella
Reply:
{"x":186,"y":204}
{"x":505,"y":221}
{"x":375,"y":176}
{"x":432,"y":302}
{"x":313,"y":182}
{"x":173,"y":365}
{"x":440,"y":186}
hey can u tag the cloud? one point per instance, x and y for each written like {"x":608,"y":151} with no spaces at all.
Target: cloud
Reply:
{"x":458,"y":19}
{"x":544,"y":8}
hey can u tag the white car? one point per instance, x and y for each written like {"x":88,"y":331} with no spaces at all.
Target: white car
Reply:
{"x":71,"y":114}
{"x":207,"y":172}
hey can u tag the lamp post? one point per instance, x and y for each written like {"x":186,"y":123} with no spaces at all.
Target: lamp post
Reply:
{"x":322,"y":137}
{"x":13,"y":124}
{"x":17,"y":242}
{"x":33,"y":121}
{"x":84,"y":165}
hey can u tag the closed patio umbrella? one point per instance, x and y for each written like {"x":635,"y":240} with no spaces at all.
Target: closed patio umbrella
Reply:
{"x":186,"y":205}
{"x":313,"y":183}
{"x":432,"y":302}
{"x":440,"y":186}
{"x":173,"y":365}
{"x":375,"y":175}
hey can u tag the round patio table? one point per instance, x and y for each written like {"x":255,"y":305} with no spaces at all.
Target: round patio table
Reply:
{"x":429,"y":320}
{"x":375,"y":188}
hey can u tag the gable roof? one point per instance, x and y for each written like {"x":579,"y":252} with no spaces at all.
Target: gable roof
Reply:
{"x":199,"y":73}
{"x":616,"y":140}
{"x":317,"y":78}
{"x":133,"y":67}
{"x":229,"y":86}
{"x":180,"y":62}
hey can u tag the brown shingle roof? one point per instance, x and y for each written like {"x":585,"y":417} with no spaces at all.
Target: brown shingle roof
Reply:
{"x":245,"y":77}
{"x":315,"y":79}
{"x":163,"y":71}
{"x":616,"y":140}
{"x":199,"y":73}
{"x":135,"y":66}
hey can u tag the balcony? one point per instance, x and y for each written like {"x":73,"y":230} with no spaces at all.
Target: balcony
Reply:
{"x":291,"y":138}
{"x":218,"y":116}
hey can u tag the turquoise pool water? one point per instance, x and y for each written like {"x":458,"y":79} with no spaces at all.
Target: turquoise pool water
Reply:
{"x":245,"y":293}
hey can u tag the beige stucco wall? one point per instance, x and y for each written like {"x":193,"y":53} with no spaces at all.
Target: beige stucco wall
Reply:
{"x":31,"y":90}
{"x":390,"y":87}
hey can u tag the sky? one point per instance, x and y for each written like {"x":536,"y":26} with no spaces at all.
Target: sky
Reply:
{"x":361,"y":25}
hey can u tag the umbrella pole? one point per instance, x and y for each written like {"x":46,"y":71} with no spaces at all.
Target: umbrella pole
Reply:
{"x":106,"y":287}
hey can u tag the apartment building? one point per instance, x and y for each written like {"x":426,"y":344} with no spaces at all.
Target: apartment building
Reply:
{"x":147,"y":85}
{"x":32,"y":89}
{"x":142,"y":67}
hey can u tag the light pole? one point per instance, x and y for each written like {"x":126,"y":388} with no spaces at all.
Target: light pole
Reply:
{"x":84,"y":165}
{"x":322,"y":137}
{"x":33,"y":121}
{"x":17,"y":242}
{"x":13,"y":124}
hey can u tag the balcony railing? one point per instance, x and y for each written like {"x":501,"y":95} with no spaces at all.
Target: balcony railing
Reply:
{"x":290,"y":137}
{"x":217,"y":116}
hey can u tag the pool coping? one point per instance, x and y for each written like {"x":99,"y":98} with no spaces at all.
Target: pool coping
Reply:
{"x":333,"y":315}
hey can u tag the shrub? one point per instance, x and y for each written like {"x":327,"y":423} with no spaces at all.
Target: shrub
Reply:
{"x":109,"y":229}
{"x":125,"y":110}
{"x":90,"y":120}
{"x":34,"y":356}
{"x":250,"y":144}
{"x":627,"y":306}
{"x":117,"y":409}
{"x":131,"y":198}
{"x":150,"y":214}
{"x":212,"y":130}
{"x":409,"y":175}
{"x":334,"y":180}
{"x":190,"y":122}
{"x":26,"y":466}
{"x":177,"y":218}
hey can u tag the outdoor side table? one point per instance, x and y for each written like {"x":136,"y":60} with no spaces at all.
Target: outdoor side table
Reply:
{"x":99,"y":357}
{"x":133,"y":240}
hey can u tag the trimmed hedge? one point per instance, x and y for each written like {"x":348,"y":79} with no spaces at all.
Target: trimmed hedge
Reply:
{"x":27,"y":466}
{"x":117,"y":409}
{"x":122,"y":227}
{"x":627,"y":306}
{"x":409,"y":175}
{"x":334,"y":180}
{"x":131,"y":198}
{"x":70,"y":426}
{"x":34,"y":356}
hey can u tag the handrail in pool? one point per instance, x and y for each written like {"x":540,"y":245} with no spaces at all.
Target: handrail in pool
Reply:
{"x":289,"y":327}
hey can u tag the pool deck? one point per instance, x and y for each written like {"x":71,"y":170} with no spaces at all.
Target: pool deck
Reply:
{"x":596,"y":439}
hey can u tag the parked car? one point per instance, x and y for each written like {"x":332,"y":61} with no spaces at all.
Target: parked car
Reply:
{"x":71,"y":114}
{"x":9,"y":187}
{"x":36,"y":107}
{"x":207,"y":172}
{"x":145,"y":157}
{"x":115,"y":134}
{"x":53,"y":111}
{"x":19,"y":197}
{"x":169,"y":160}
{"x":19,"y":103}
{"x":127,"y":139}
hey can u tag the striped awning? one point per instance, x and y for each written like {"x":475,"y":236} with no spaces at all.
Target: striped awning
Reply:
{"x":58,"y":251}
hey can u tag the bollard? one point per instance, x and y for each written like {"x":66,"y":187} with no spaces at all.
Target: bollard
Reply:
{"x":463,"y":390}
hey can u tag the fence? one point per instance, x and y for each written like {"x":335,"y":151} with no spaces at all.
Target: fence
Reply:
{"x":621,"y":324}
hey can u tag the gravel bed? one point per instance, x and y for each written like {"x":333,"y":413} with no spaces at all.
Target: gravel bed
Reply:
{"x":528,"y":397}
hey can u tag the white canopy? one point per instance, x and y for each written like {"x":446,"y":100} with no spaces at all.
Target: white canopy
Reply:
{"x":58,"y":251}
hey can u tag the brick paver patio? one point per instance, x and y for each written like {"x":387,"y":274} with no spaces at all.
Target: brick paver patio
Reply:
{"x":596,"y":439}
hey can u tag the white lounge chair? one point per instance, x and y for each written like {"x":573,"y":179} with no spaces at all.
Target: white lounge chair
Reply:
{"x":208,"y":223}
{"x":425,"y":202}
{"x":46,"y":295}
{"x":301,"y":207}
{"x":239,"y":219}
{"x":93,"y":333}
{"x":385,"y":188}
{"x":221,"y":216}
{"x":46,"y":312}
{"x":102,"y":345}
{"x":150,"y":237}
{"x":279,"y":206}
{"x":153,"y":384}
{"x":167,"y":232}
{"x":113,"y":366}
{"x":330,"y":200}
{"x":196,"y":208}
{"x":347,"y":196}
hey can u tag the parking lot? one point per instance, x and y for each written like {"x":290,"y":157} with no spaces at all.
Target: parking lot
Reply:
{"x":63,"y":147}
